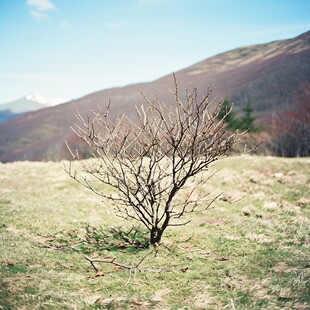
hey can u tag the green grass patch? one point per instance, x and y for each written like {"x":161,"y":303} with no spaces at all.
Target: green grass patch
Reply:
{"x":249,"y":250}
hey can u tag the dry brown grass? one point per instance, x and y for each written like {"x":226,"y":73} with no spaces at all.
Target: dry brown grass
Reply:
{"x":249,"y":251}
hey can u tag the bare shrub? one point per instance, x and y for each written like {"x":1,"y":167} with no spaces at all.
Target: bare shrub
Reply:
{"x":291,"y":129}
{"x":148,"y":161}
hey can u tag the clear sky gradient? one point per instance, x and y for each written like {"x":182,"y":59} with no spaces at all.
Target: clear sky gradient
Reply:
{"x":69,"y":48}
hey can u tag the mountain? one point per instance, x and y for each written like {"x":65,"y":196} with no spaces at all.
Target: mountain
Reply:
{"x":269,"y":76}
{"x":26,"y":104}
{"x":6,"y":115}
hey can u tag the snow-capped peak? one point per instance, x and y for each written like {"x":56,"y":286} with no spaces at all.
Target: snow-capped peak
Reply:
{"x":46,"y":101}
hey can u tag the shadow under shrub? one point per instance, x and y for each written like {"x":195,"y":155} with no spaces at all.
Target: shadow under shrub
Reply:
{"x":91,"y":239}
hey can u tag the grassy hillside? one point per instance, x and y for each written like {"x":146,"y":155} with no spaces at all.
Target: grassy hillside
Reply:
{"x":269,"y":76}
{"x":250,"y":250}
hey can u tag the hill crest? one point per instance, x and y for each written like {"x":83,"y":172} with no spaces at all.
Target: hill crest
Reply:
{"x":267,"y":75}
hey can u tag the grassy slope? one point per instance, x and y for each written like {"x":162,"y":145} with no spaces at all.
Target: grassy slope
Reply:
{"x":251,"y":253}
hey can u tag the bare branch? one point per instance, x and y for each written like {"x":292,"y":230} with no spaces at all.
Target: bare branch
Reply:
{"x":143,"y":164}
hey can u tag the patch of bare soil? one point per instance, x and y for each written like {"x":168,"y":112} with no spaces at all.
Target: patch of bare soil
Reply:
{"x":203,"y":299}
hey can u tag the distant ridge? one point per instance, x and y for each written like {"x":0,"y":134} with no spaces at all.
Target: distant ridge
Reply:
{"x":269,"y":76}
{"x":28,"y":103}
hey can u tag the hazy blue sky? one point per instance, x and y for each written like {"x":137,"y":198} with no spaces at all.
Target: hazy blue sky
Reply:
{"x":69,"y":48}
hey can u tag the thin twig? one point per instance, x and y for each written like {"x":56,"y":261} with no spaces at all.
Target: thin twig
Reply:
{"x":92,"y":263}
{"x":113,"y":262}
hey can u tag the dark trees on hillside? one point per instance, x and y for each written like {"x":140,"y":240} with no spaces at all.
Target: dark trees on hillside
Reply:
{"x":291,"y":129}
{"x":233,"y":122}
{"x":229,"y":116}
{"x":247,"y":120}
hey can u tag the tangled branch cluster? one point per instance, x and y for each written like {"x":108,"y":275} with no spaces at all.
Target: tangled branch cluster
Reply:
{"x":147,"y":161}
